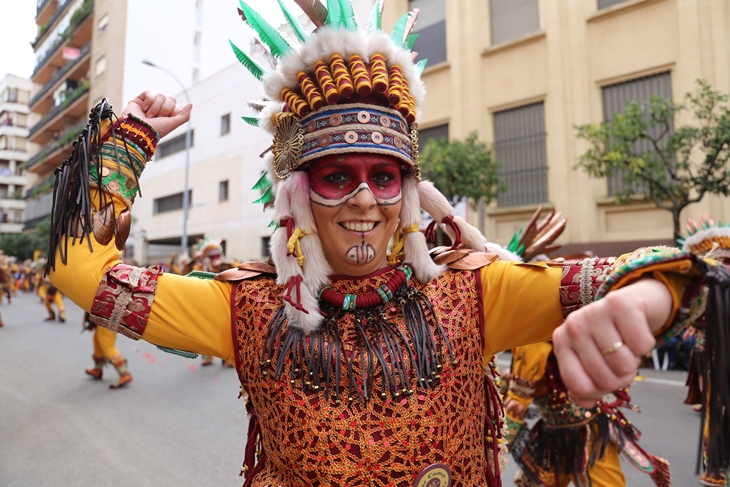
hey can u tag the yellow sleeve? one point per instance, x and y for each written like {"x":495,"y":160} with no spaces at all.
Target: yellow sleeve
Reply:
{"x":528,"y":368}
{"x":521,"y":304}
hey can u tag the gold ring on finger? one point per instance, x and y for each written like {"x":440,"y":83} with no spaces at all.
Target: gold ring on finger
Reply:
{"x":612,"y":348}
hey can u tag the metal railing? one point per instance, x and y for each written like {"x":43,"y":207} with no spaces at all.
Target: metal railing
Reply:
{"x":47,"y":28}
{"x":39,"y":6}
{"x":77,"y":18}
{"x":65,"y":69}
{"x":65,"y":139}
{"x":41,"y":188}
{"x":75,"y":95}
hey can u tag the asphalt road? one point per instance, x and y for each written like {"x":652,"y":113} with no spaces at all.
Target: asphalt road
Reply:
{"x":179,"y":424}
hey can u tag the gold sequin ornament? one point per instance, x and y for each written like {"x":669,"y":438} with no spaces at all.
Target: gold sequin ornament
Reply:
{"x":414,"y":149}
{"x":288,"y":145}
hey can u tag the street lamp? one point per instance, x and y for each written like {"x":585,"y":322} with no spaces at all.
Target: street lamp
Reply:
{"x":186,"y":198}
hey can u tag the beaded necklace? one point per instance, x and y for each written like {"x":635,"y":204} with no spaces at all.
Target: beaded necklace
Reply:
{"x":392,"y":362}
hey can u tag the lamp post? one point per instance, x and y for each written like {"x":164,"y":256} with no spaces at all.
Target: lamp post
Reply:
{"x":186,"y":197}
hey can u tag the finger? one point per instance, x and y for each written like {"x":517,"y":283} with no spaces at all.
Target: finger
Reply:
{"x":145,"y":100}
{"x":183,"y":115}
{"x":635,"y":328}
{"x":575,"y":377}
{"x":629,"y":327}
{"x":582,"y":326}
{"x":154,"y":109}
{"x":167,"y":107}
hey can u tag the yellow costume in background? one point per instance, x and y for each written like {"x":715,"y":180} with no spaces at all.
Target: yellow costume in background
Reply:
{"x":105,"y":350}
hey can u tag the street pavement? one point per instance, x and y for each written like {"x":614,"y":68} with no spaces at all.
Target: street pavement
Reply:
{"x":179,"y":424}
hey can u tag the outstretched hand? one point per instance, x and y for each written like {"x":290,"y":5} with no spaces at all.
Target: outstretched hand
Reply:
{"x":600,"y":346}
{"x":161,"y":112}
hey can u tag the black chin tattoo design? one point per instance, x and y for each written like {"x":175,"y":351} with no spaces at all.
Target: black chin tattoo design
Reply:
{"x":362,"y":253}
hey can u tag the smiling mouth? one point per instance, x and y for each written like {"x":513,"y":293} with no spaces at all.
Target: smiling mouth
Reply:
{"x":359,"y":226}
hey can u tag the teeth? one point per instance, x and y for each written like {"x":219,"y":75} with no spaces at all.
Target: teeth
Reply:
{"x":359,"y":227}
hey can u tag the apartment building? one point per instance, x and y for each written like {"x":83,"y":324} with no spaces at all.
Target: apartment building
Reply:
{"x":524,"y":73}
{"x":87,"y":50}
{"x":14,"y":147}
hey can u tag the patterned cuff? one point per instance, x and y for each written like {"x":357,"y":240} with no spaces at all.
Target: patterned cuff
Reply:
{"x":580,"y":282}
{"x":123,"y":301}
{"x":663,"y":263}
{"x":522,"y":387}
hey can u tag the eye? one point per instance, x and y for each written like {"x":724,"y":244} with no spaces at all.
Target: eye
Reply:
{"x":382,"y":178}
{"x":336,"y":178}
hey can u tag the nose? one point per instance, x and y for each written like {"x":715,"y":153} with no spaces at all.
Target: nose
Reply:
{"x":364,"y":199}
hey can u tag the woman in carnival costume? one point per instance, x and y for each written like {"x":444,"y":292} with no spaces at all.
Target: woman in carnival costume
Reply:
{"x":361,"y":367}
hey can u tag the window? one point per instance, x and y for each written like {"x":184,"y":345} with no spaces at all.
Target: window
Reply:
{"x":437,"y":132}
{"x":172,"y":202}
{"x":512,"y":19}
{"x":615,"y":98}
{"x":21,"y":120}
{"x":225,"y":124}
{"x":519,"y":143}
{"x":103,"y":22}
{"x":196,"y":75}
{"x":223,"y":191}
{"x":100,"y":65}
{"x":608,"y":3}
{"x":431,"y":27}
{"x":265,"y":246}
{"x":173,"y":146}
{"x":11,"y":95}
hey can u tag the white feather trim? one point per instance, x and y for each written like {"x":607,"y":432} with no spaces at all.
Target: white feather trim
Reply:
{"x":265,"y":117}
{"x":503,"y":253}
{"x":273,"y":84}
{"x":297,"y":187}
{"x":416,"y":254}
{"x":410,"y":211}
{"x":704,"y":235}
{"x":433,"y":202}
{"x":470,"y":235}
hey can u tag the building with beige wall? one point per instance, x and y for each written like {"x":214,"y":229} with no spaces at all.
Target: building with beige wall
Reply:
{"x":14,"y":147}
{"x":524,"y":73}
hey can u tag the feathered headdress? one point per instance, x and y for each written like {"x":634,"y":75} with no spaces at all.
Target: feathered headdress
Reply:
{"x":341,"y":90}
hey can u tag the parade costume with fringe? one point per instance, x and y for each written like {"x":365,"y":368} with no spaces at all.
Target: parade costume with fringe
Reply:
{"x":366,"y":380}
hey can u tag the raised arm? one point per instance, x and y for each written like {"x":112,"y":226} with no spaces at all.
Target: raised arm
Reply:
{"x":94,"y":193}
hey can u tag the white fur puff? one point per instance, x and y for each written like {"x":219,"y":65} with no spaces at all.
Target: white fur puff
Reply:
{"x":416,"y":254}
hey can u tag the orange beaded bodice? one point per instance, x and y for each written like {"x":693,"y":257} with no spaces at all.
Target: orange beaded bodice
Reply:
{"x":307,"y":438}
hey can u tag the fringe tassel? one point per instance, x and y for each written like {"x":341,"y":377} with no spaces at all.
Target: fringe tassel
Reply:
{"x":717,"y":314}
{"x":254,"y":457}
{"x":318,"y":360}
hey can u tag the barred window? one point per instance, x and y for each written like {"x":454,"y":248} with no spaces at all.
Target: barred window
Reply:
{"x":171,"y":202}
{"x":223,"y":191}
{"x":424,"y":135}
{"x":225,"y":124}
{"x":174,"y":145}
{"x":519,"y":143}
{"x":615,"y":98}
{"x":431,"y":27}
{"x":512,"y":19}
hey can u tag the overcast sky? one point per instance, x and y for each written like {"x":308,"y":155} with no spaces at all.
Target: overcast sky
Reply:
{"x":17,"y":25}
{"x":18,"y":29}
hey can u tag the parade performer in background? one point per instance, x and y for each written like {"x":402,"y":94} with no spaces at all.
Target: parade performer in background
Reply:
{"x":50,"y":296}
{"x":362,"y":366}
{"x":710,"y":240}
{"x":105,"y":350}
{"x":7,"y":280}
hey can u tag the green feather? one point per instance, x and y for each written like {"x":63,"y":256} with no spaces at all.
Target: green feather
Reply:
{"x":512,"y":246}
{"x":420,"y":66}
{"x":410,"y":40}
{"x":263,"y":182}
{"x":399,"y":30}
{"x":266,"y":32}
{"x":520,"y":250}
{"x":375,"y":22}
{"x":267,"y":197}
{"x":333,"y":13}
{"x":347,"y":15}
{"x":294,"y":23}
{"x":252,"y":66}
{"x":253,"y":121}
{"x":274,"y":224}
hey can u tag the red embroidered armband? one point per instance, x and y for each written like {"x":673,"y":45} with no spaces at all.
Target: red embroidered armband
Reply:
{"x":124,"y":299}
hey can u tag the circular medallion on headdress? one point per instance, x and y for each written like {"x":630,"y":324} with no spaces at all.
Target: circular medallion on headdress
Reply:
{"x":288,"y":144}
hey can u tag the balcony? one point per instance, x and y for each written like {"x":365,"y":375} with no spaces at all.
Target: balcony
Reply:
{"x":70,"y":109}
{"x":53,"y":154}
{"x":79,"y":32}
{"x":48,"y":25}
{"x":69,"y":68}
{"x":40,"y":189}
{"x":43,"y":11}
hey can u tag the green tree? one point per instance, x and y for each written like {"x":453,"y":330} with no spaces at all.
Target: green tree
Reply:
{"x":22,"y":245}
{"x":463,"y":169}
{"x":672,"y":168}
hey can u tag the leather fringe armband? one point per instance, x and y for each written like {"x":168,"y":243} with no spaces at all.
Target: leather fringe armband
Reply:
{"x":124,"y":299}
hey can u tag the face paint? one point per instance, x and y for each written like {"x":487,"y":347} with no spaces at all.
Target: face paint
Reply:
{"x":333,"y":183}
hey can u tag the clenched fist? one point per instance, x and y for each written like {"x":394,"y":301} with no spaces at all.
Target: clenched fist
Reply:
{"x":161,"y":112}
